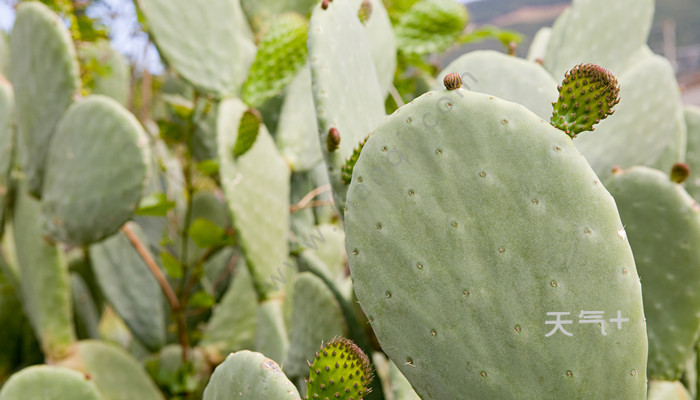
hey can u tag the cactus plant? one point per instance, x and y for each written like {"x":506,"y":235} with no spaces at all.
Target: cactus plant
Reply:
{"x":7,"y":142}
{"x":430,"y":277}
{"x":49,"y":383}
{"x":340,"y":370}
{"x":692,"y":155}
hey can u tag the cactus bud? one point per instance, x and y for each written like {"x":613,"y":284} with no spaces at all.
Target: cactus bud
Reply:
{"x":680,"y":172}
{"x":586,"y":96}
{"x":346,"y":170}
{"x":452,"y":81}
{"x":333,"y":140}
{"x":324,"y":4}
{"x":340,"y":370}
{"x":365,"y":11}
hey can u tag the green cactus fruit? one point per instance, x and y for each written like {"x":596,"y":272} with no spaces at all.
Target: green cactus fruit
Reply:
{"x":340,"y":370}
{"x":381,"y":39}
{"x":130,"y":287}
{"x":44,"y":72}
{"x":256,"y":186}
{"x":249,"y":376}
{"x":680,"y":172}
{"x":648,"y":127}
{"x":44,"y":382}
{"x":233,"y":324}
{"x":106,"y":71}
{"x":586,"y":96}
{"x":96,"y":171}
{"x":430,"y":26}
{"x":538,"y":47}
{"x":281,"y":54}
{"x":506,"y":77}
{"x":7,"y":142}
{"x":490,"y":283}
{"x":248,"y":130}
{"x":692,"y":155}
{"x":347,"y":94}
{"x":665,"y":390}
{"x":196,"y":40}
{"x":87,"y":318}
{"x":316,"y":318}
{"x":116,"y":373}
{"x":346,"y":170}
{"x":271,"y":336}
{"x":44,"y":279}
{"x":652,"y":206}
{"x":600,"y":32}
{"x":365,"y":11}
{"x":297,"y":130}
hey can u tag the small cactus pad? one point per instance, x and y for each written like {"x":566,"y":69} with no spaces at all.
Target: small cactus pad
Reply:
{"x":692,"y":156}
{"x":44,"y":73}
{"x":586,"y":96}
{"x":667,"y":390}
{"x":430,"y":26}
{"x":249,"y":375}
{"x":680,"y":172}
{"x":538,"y":47}
{"x":662,"y":223}
{"x":210,"y":44}
{"x":96,"y":171}
{"x":340,"y":371}
{"x":43,"y":382}
{"x":452,"y":81}
{"x":350,"y":163}
{"x":468,"y":278}
{"x":506,"y":77}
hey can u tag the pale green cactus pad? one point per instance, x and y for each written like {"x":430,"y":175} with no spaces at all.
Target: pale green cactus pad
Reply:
{"x":249,"y":376}
{"x":44,"y":73}
{"x":7,"y":141}
{"x":667,"y":390}
{"x":506,"y":77}
{"x":489,"y":259}
{"x":97,"y":169}
{"x":653,"y":207}
{"x":271,"y":336}
{"x":648,"y":127}
{"x":538,"y":46}
{"x":346,"y":91}
{"x":382,"y":42}
{"x":130,"y":287}
{"x":44,"y":382}
{"x":601,"y":32}
{"x":692,"y":155}
{"x":209,"y":44}
{"x":256,"y":185}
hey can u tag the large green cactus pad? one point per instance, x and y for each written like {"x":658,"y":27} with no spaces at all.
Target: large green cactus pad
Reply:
{"x":473,"y":226}
{"x":209,"y":44}
{"x":44,"y":73}
{"x":648,"y":126}
{"x":663,"y":225}
{"x":249,"y":376}
{"x":96,"y":171}
{"x":43,"y":382}
{"x":692,"y":155}
{"x":600,"y":32}
{"x":346,"y":91}
{"x":130,"y":287}
{"x":507,"y":77}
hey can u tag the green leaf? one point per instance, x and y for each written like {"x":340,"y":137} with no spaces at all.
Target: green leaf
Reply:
{"x":208,"y":167}
{"x":201,"y":299}
{"x":171,"y":264}
{"x":430,"y":26}
{"x":248,"y":130}
{"x":205,"y":233}
{"x":155,"y":205}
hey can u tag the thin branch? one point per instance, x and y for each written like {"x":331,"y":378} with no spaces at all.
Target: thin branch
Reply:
{"x":303,"y":203}
{"x":396,"y":96}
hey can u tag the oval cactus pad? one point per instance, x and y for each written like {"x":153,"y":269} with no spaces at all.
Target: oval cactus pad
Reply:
{"x":489,"y":259}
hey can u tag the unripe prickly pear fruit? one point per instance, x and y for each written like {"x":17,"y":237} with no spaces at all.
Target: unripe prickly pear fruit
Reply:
{"x":341,"y":370}
{"x":333,"y":140}
{"x":586,"y":96}
{"x":680,"y":172}
{"x":365,"y":11}
{"x":452,"y":81}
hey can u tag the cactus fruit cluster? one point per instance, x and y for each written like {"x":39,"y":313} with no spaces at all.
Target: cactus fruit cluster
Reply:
{"x":303,"y":206}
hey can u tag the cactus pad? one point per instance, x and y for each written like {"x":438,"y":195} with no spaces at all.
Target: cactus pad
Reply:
{"x":468,"y":278}
{"x":430,"y":26}
{"x":662,"y":223}
{"x":44,"y":72}
{"x":43,"y":382}
{"x":340,"y":370}
{"x":692,"y":156}
{"x":586,"y":96}
{"x":7,"y":142}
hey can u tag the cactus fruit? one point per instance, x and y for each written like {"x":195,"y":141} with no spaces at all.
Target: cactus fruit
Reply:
{"x":248,"y":129}
{"x":452,"y":81}
{"x":430,"y":26}
{"x":469,"y":299}
{"x":249,"y":375}
{"x":130,"y":287}
{"x":281,"y":54}
{"x":680,"y":172}
{"x":44,"y":73}
{"x":346,"y":90}
{"x":586,"y":96}
{"x":652,"y":206}
{"x":43,"y":382}
{"x":96,"y":171}
{"x":340,"y":370}
{"x":197,"y":41}
{"x":692,"y":156}
{"x":506,"y":77}
{"x":664,"y":390}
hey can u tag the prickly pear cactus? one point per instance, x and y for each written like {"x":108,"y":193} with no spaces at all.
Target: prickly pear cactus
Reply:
{"x":44,"y":72}
{"x":7,"y":142}
{"x":513,"y":271}
{"x":340,"y":370}
{"x":430,"y":26}
{"x":692,"y":155}
{"x":249,"y":375}
{"x":652,"y":206}
{"x":107,"y":71}
{"x":43,"y":382}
